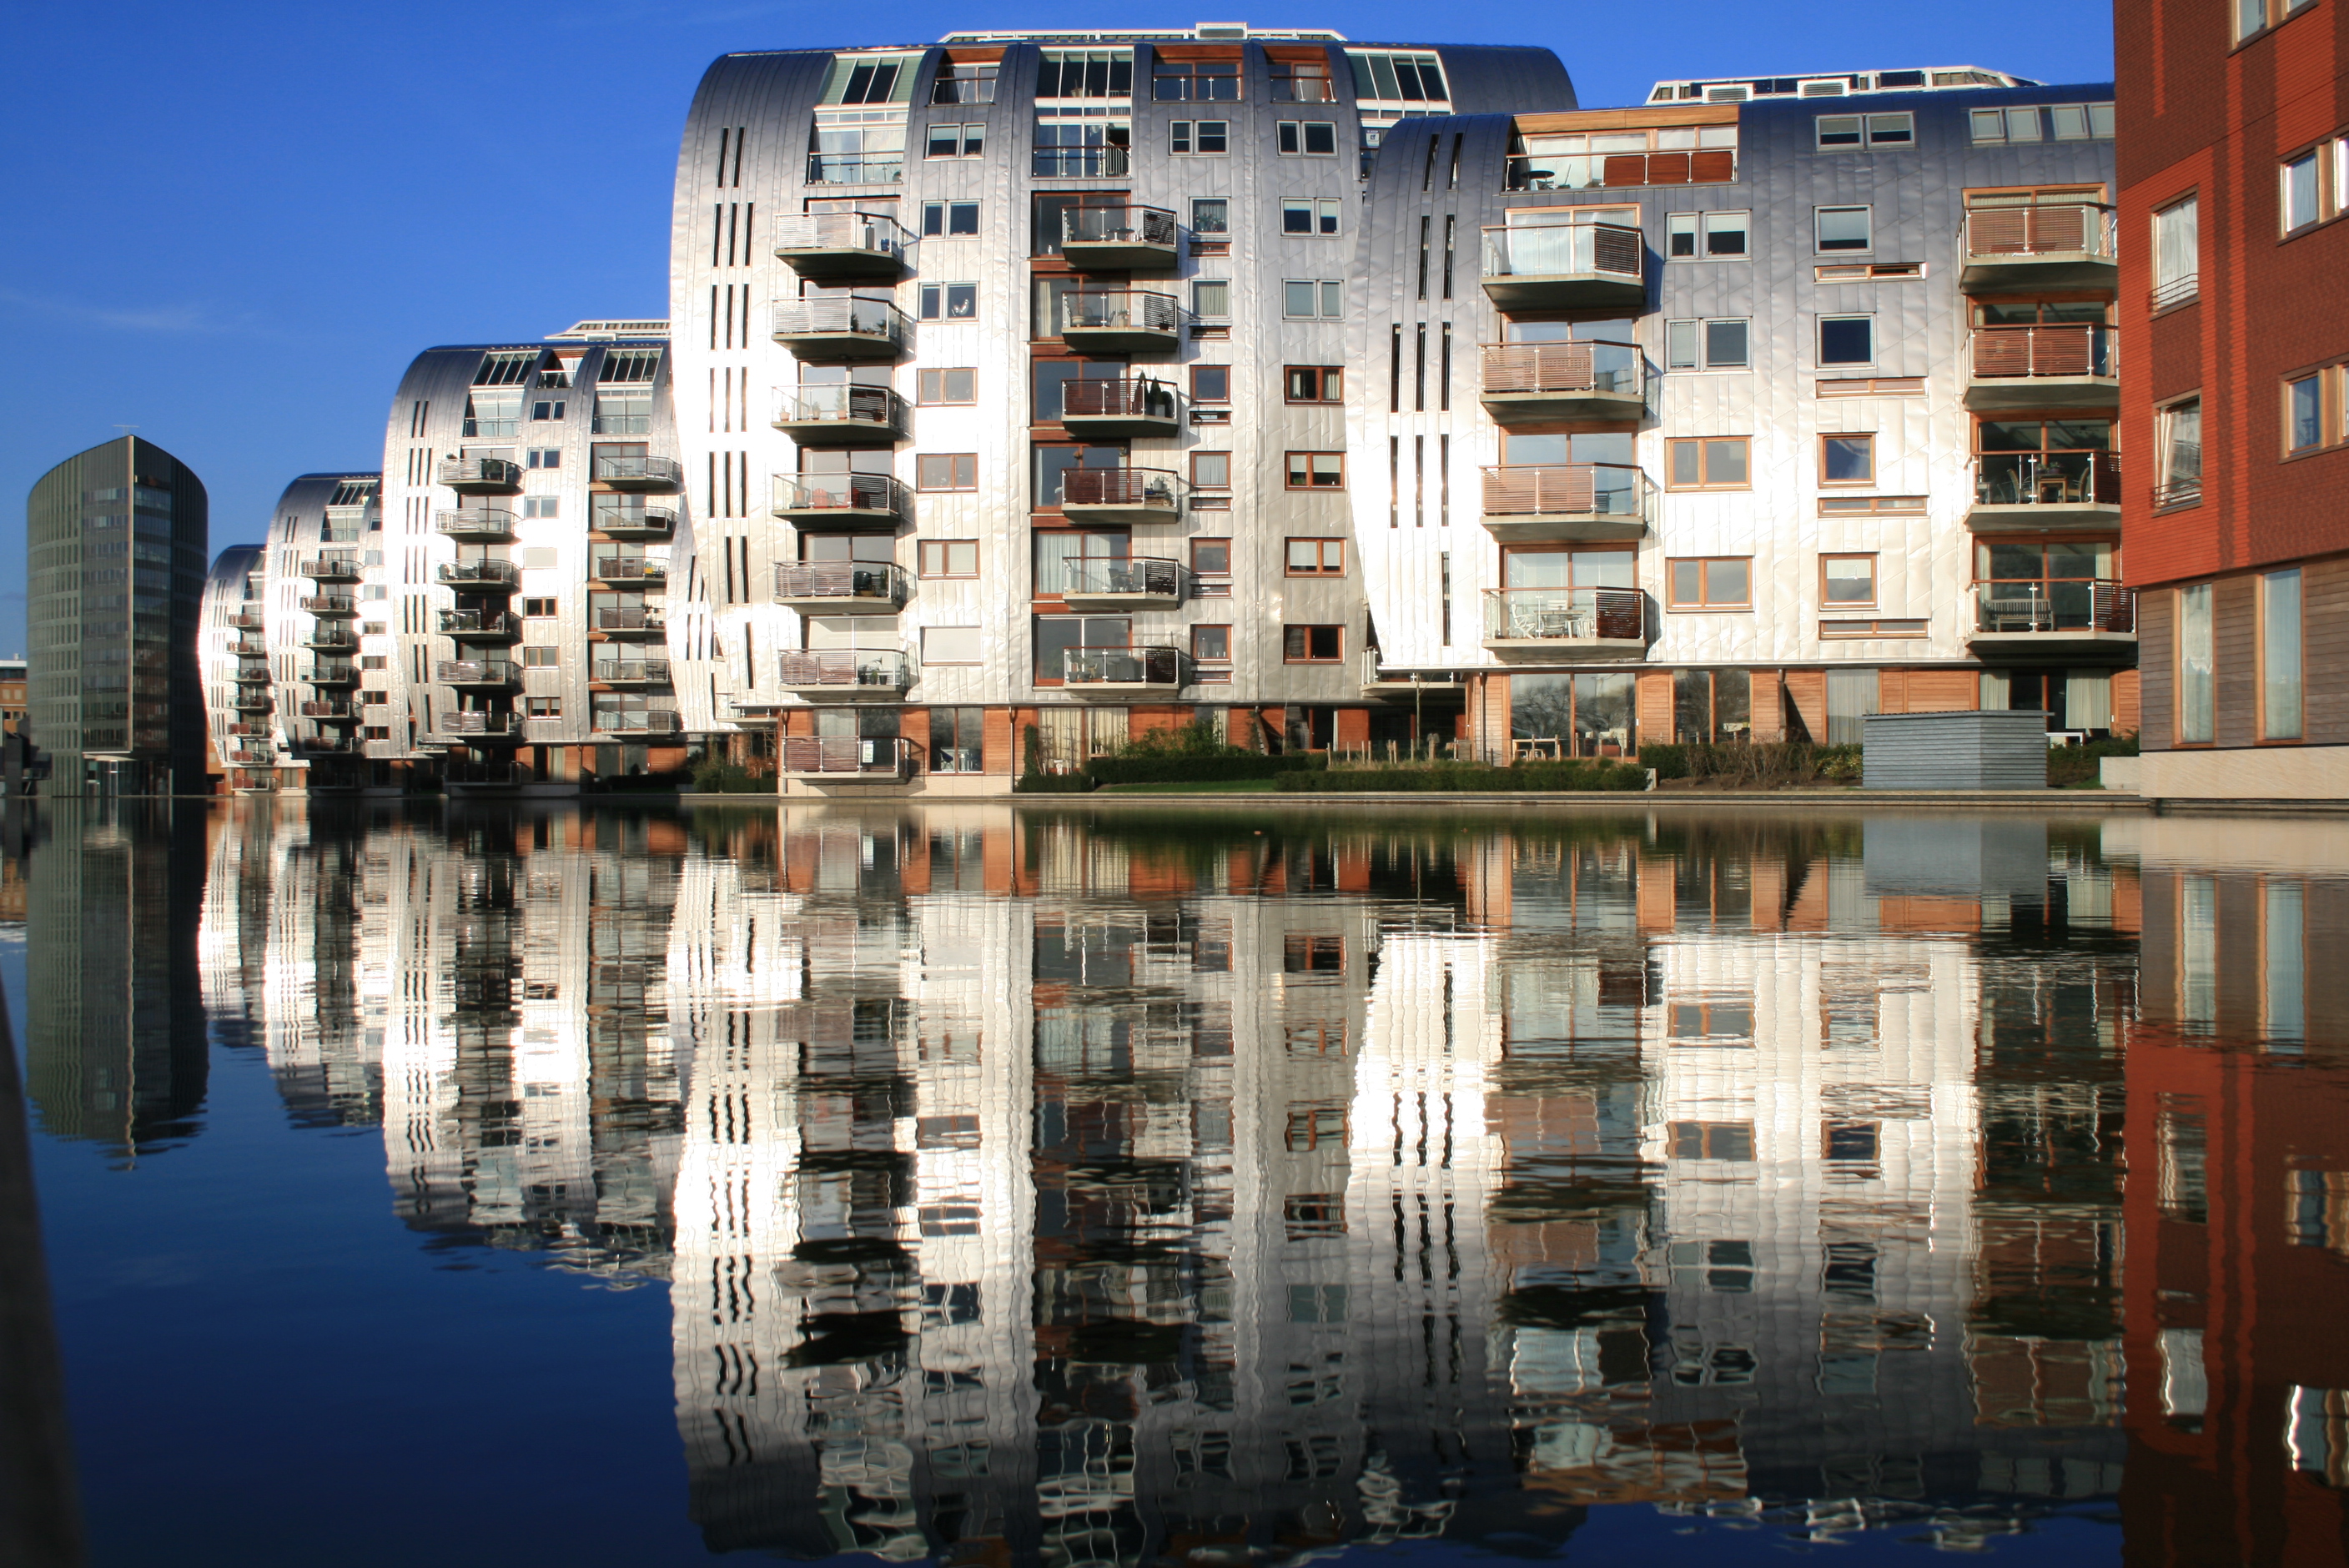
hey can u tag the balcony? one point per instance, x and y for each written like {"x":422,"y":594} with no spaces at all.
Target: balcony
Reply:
{"x":847,"y":675}
{"x":637,"y":472}
{"x":2052,"y":365}
{"x":1120,"y":321}
{"x":1554,"y":502}
{"x":255,"y":674}
{"x":255,"y":784}
{"x":846,"y":759}
{"x":1529,"y":383}
{"x":633,"y":672}
{"x":628,"y":621}
{"x":482,"y":525}
{"x":839,"y":500}
{"x":1563,"y":266}
{"x":633,"y":570}
{"x":2071,"y":619}
{"x":842,"y":587}
{"x":475,"y":727}
{"x":1081,"y":164}
{"x":1405,"y":684}
{"x":1134,"y":406}
{"x":254,"y":756}
{"x":329,"y":569}
{"x":2044,"y":493}
{"x":1124,"y":672}
{"x":333,"y":673}
{"x":494,"y":674}
{"x":1619,"y":170}
{"x":841,"y":245}
{"x":331,"y":639}
{"x":247,"y":621}
{"x":1119,"y":495}
{"x":330,"y":710}
{"x":1140,"y":584}
{"x":836,"y":329}
{"x":855,"y":168}
{"x":248,"y":647}
{"x":342,"y":606}
{"x":1119,"y":239}
{"x":617,"y":518}
{"x":481,"y":476}
{"x":1551,"y":625}
{"x":834,"y":416}
{"x":252,"y":701}
{"x":479,"y":625}
{"x":483,"y":576}
{"x":2065,"y":246}
{"x":637,"y":721}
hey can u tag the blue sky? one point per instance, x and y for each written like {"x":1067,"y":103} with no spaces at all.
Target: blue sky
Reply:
{"x":233,"y":225}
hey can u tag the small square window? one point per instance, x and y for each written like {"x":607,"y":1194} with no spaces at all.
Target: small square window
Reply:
{"x":1313,"y":137}
{"x":1721,"y":344}
{"x":1723,"y":582}
{"x":1848,"y":582}
{"x":948,"y":557}
{"x":949,"y":301}
{"x":533,"y":608}
{"x":1844,"y":228}
{"x":1838,"y":130}
{"x":1847,"y":460}
{"x":1317,"y":470}
{"x":1211,"y":644}
{"x":946,"y":219}
{"x":1211,"y":299}
{"x":1198,"y":138}
{"x":1211,"y":216}
{"x":1891,"y":129}
{"x":946,"y":471}
{"x":956,"y":386}
{"x":1211,"y":557}
{"x":1707,"y":462}
{"x":544,"y":458}
{"x":1211,"y":384}
{"x":1311,"y":645}
{"x":539,"y":658}
{"x":548,"y":411}
{"x":1310,"y":215}
{"x":542,"y":707}
{"x":1316,"y":557}
{"x":1846,"y":340}
{"x":1211,"y":470}
{"x":1314,"y":384}
{"x":542,"y":506}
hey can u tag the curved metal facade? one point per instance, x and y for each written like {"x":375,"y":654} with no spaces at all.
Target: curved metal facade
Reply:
{"x":235,"y":597}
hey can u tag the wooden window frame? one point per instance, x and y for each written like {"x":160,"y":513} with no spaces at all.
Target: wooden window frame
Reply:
{"x":1704,"y":583}
{"x":1289,"y":636}
{"x":1197,"y":657}
{"x":1324,"y":549}
{"x":1199,"y":399}
{"x":1197,"y":483}
{"x":922,"y":550}
{"x":1868,"y":437}
{"x":956,"y":461}
{"x":1197,"y":571}
{"x":922,"y":380}
{"x":1328,"y":380}
{"x":1704,"y":465}
{"x":1875,"y":581}
{"x":1312,"y":471}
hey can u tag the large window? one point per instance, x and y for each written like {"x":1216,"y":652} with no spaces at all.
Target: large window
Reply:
{"x":950,"y":220}
{"x":1316,"y":557}
{"x":1194,"y":81}
{"x":2196,"y":720}
{"x":1708,"y":462}
{"x":957,"y":739}
{"x":1720,"y":343}
{"x":2281,"y":701}
{"x":1710,"y":583}
{"x":2020,"y":462}
{"x":2177,"y":253}
{"x":1317,"y":470}
{"x":1313,"y":299}
{"x":1313,"y":384}
{"x":946,"y":141}
{"x":1312,"y":645}
{"x":1058,"y":553}
{"x":1310,"y":215}
{"x":946,"y":471}
{"x":2179,"y":435}
{"x":1706,"y":236}
{"x":1844,"y":228}
{"x":949,"y":301}
{"x":1056,"y":634}
{"x":1712,"y":706}
{"x":1312,"y":138}
{"x":948,"y":557}
{"x":1593,"y":715}
{"x":946,"y":386}
{"x":1199,"y":138}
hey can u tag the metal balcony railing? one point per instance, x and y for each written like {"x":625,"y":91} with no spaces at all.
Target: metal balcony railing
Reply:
{"x":1564,"y":250}
{"x":1082,"y":162}
{"x":254,"y":756}
{"x":876,"y":669}
{"x":489,"y":522}
{"x":855,"y":168}
{"x":2060,"y":605}
{"x":1155,"y":666}
{"x":448,"y":722}
{"x":1569,"y":489}
{"x":477,"y":672}
{"x":251,"y":702}
{"x":1135,"y":398}
{"x":854,"y":232}
{"x":835,"y":315}
{"x":248,"y":647}
{"x":1565,"y":614}
{"x":333,"y":673}
{"x":848,"y":754}
{"x":1588,"y":172}
{"x":250,"y":673}
{"x":492,"y":429}
{"x":330,"y":605}
{"x":631,"y":672}
{"x":329,"y":707}
{"x":1151,"y":488}
{"x":1587,"y":366}
{"x":247,"y":620}
{"x":633,"y":469}
{"x":329,"y":569}
{"x":2054,"y":349}
{"x":796,"y":494}
{"x":2020,"y":233}
{"x":1136,"y":225}
{"x":1118,"y":310}
{"x":479,"y":623}
{"x":481,"y":575}
{"x":633,"y":518}
{"x":629,"y":569}
{"x":1093,"y":575}
{"x":630,"y":619}
{"x":637,"y":721}
{"x":241,"y":729}
{"x":480,"y":473}
{"x":865,"y":410}
{"x":2047,"y":478}
{"x":873,"y":580}
{"x":338,"y":638}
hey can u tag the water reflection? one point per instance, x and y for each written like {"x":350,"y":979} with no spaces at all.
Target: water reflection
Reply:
{"x":1056,"y":1189}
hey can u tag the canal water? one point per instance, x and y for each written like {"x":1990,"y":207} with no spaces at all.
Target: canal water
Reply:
{"x":1203,"y":1187}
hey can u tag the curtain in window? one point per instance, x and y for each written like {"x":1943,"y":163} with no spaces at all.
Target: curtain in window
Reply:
{"x":2194,"y":671}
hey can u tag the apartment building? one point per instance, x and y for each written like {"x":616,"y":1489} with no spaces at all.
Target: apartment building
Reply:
{"x":233,"y":638}
{"x":2234,"y":526}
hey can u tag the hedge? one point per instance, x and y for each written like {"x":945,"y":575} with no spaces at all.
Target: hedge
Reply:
{"x":1182,"y":768}
{"x":1052,"y":784}
{"x":1529,"y":777}
{"x":726,"y":778}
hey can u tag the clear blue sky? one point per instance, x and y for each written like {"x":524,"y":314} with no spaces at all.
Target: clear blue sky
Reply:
{"x":233,"y":225}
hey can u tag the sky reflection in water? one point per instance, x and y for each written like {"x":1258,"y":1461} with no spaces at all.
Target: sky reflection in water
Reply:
{"x":1138,"y":1188}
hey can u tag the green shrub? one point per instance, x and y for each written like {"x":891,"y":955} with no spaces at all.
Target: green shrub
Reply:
{"x":2069,"y":765}
{"x":1171,"y":766}
{"x":1471,"y":778}
{"x":1839,"y":763}
{"x":726,"y":778}
{"x":1670,"y":760}
{"x":1052,"y":784}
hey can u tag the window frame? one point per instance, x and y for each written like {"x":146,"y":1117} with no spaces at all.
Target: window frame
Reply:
{"x":2274,"y":13}
{"x":1818,"y":341}
{"x":942,"y":294}
{"x":1868,"y":445}
{"x":1324,"y":548}
{"x":1700,"y":231}
{"x":1819,"y":245}
{"x":1188,"y":138}
{"x":1704,"y":463}
{"x":1198,"y":571}
{"x":1329,"y":379}
{"x":1704,"y":602}
{"x":2323,"y":383}
{"x":1324,"y":217}
{"x":946,"y":213}
{"x":1224,"y":232}
{"x":1312,"y":469}
{"x":2179,"y":654}
{"x":960,"y":464}
{"x":922,"y":399}
{"x":2164,"y":414}
{"x":1199,"y":656}
{"x":1291,"y":138}
{"x":1829,"y":604}
{"x":1323,"y":291}
{"x":965,"y":145}
{"x":2264,"y":593}
{"x":943,"y":548}
{"x":1290,"y":639}
{"x":1197,"y":483}
{"x":1204,"y":399}
{"x":1698,"y":330}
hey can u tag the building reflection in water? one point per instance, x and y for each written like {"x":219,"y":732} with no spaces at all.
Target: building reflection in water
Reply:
{"x":1033,"y":1190}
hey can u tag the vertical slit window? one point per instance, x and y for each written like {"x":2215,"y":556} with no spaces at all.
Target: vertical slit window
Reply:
{"x":1444,"y":588}
{"x":1419,"y":482}
{"x":1451,"y":183}
{"x":1427,"y":174}
{"x":1444,"y":375}
{"x":1394,"y":480}
{"x":1443,"y":482}
{"x":2280,"y":655}
{"x":2194,"y":663}
{"x":1451,"y":245}
{"x":1419,"y":372}
{"x":1426,"y":225}
{"x":1394,"y":371}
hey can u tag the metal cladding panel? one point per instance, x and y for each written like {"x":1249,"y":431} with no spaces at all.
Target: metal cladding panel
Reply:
{"x":1995,"y":750}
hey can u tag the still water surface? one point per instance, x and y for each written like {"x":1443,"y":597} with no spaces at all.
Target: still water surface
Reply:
{"x":1198,"y":1187}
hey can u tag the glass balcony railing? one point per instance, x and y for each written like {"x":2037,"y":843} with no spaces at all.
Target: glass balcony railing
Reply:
{"x":477,"y":672}
{"x":479,"y":623}
{"x":1093,"y":577}
{"x":2047,"y":478}
{"x":1608,"y":251}
{"x":632,"y":672}
{"x":637,"y":721}
{"x":249,"y":647}
{"x":480,"y":473}
{"x":810,"y":496}
{"x":1119,"y":311}
{"x":330,"y":605}
{"x":1582,"y":367}
{"x":1121,"y":489}
{"x":1125,"y":227}
{"x":1139,"y":398}
{"x":1565,"y":614}
{"x":855,"y":168}
{"x":489,"y":522}
{"x":867,"y":669}
{"x":629,"y":621}
{"x":329,"y":708}
{"x":482,"y":575}
{"x":459,"y":722}
{"x":334,"y":638}
{"x":631,"y":468}
{"x":852,"y":235}
{"x":872,"y":322}
{"x":870,"y":580}
{"x":1082,"y":162}
{"x":329,"y":569}
{"x":2043,"y":605}
{"x":628,"y":518}
{"x":1144,"y":666}
{"x":628,"y":568}
{"x":1569,"y":489}
{"x":847,"y":410}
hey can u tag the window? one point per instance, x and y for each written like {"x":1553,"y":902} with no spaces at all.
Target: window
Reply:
{"x":542,"y":707}
{"x":1707,"y":462}
{"x":1194,"y":81}
{"x":544,"y":458}
{"x":1880,"y":505}
{"x":542,"y":506}
{"x":1847,"y":459}
{"x":1085,"y":74}
{"x":950,"y":646}
{"x":1731,"y":1141}
{"x":1211,"y":644}
{"x":1211,"y":299}
{"x":1843,"y":228}
{"x":2304,"y":413}
{"x":946,"y":219}
{"x":1712,"y":706}
{"x":960,"y":82}
{"x":1211,"y":558}
{"x":1705,"y":236}
{"x":1837,"y":131}
{"x":1722,"y":583}
{"x":2300,"y":206}
{"x":1310,"y":215}
{"x":946,"y":471}
{"x":1314,"y":138}
{"x":948,"y":557}
{"x":1211,"y":470}
{"x":1317,"y":470}
{"x":1076,"y":143}
{"x":1314,"y":384}
{"x":1056,"y":634}
{"x":1316,"y":557}
{"x":1848,"y":582}
{"x":547,"y":411}
{"x":1720,"y":344}
{"x":2177,"y":245}
{"x":1846,"y":340}
{"x":2179,"y":436}
{"x":957,"y":141}
{"x":949,"y":301}
{"x":1211,"y":216}
{"x":1311,"y":645}
{"x":1313,"y":299}
{"x":2195,"y":722}
{"x":957,"y":386}
{"x":1301,"y":81}
{"x":2255,"y":16}
{"x":539,"y":658}
{"x":1211,"y":384}
{"x":957,"y":745}
{"x":532,"y":607}
{"x":1201,"y":138}
{"x":2280,"y":655}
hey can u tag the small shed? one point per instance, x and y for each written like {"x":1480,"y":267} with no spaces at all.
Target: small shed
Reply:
{"x":2003,"y":749}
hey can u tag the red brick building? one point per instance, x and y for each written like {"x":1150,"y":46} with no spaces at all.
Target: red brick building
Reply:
{"x":2234,"y":188}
